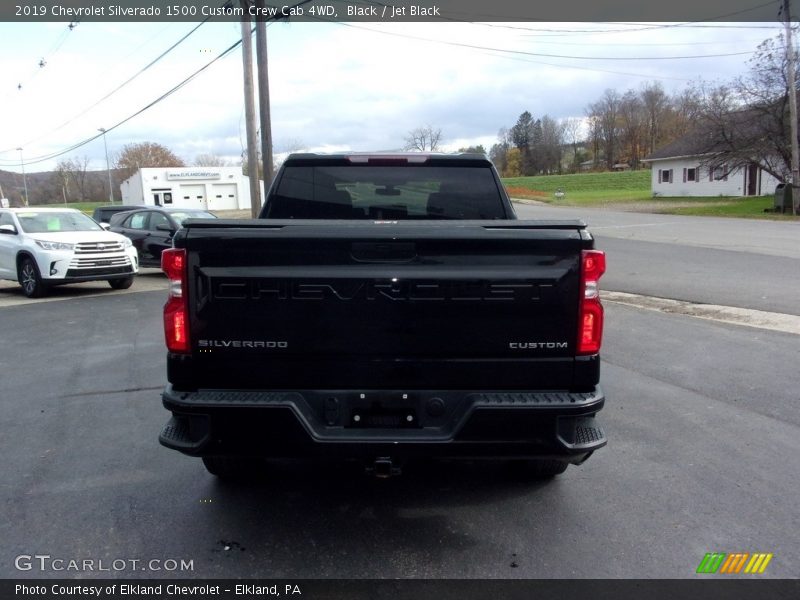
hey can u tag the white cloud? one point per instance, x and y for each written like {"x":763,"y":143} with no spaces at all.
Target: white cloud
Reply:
{"x":333,"y":87}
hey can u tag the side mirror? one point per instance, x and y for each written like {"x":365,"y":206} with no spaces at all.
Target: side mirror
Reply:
{"x":8,"y":229}
{"x":164,"y":227}
{"x":105,"y":226}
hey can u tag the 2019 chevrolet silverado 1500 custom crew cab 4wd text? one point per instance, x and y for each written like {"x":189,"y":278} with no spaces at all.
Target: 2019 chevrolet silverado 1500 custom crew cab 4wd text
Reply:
{"x":383,"y":308}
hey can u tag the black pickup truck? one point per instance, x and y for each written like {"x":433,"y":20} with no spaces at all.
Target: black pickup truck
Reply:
{"x":381,"y":308}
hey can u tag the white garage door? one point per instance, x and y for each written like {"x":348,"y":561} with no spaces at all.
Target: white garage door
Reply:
{"x":191,"y":196}
{"x":223,"y":197}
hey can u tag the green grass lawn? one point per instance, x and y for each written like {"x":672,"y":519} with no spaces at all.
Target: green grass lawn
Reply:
{"x":751,"y":207}
{"x":633,"y":187}
{"x":583,"y":188}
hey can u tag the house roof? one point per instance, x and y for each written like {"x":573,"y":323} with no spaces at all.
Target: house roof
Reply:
{"x":690,"y":144}
{"x":742,"y":128}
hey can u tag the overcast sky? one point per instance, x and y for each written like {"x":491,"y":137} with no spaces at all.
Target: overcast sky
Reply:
{"x":333,"y":86}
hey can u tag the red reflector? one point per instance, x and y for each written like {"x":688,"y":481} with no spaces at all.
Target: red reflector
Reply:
{"x":594,"y":264}
{"x":176,"y":332}
{"x":176,"y":310}
{"x":590,"y":314}
{"x":173,"y":262}
{"x":591,"y":333}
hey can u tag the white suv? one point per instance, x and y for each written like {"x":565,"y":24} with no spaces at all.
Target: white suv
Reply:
{"x":41,"y":247}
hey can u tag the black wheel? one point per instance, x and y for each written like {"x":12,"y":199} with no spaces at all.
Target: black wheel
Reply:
{"x":121,"y":284}
{"x":233,"y":467}
{"x":30,"y":280}
{"x":540,"y":468}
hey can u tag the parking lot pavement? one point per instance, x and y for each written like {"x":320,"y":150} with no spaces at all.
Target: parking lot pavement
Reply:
{"x":146,"y":281}
{"x":702,"y":457}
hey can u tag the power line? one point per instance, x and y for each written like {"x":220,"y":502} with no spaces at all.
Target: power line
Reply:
{"x":539,"y":54}
{"x":474,"y":19}
{"x":120,"y":86}
{"x":44,"y":59}
{"x":43,"y":158}
{"x":224,"y":53}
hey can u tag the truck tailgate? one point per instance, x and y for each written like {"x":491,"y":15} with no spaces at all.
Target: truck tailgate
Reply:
{"x":392,"y":305}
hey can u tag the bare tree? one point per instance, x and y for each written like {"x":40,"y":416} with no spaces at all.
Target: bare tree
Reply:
{"x":686,"y":110}
{"x":572,"y":127}
{"x":75,"y":170}
{"x":551,"y":142}
{"x":606,"y":113}
{"x":210,"y":160}
{"x":63,"y":175}
{"x":423,"y":139}
{"x":145,"y":154}
{"x":632,"y":127}
{"x":595,"y":136}
{"x":656,"y":108}
{"x":747,"y":122}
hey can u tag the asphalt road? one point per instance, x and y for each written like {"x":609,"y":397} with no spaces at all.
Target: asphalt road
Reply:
{"x":702,"y":420}
{"x":703,"y":457}
{"x":732,"y":262}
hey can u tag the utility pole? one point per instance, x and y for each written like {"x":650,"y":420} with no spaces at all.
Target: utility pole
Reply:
{"x":108,"y":168}
{"x":263,"y":95}
{"x":792,"y":104}
{"x":24,"y":179}
{"x":250,"y":114}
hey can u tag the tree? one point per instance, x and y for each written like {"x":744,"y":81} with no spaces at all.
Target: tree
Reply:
{"x":572,"y":127}
{"x":551,"y":144}
{"x":246,"y":168}
{"x":210,"y":160}
{"x":521,"y":135}
{"x":498,"y":154}
{"x":145,"y":154}
{"x":606,"y":112}
{"x":595,"y":137}
{"x":63,"y":176}
{"x":75,"y":170}
{"x":656,"y":105}
{"x":423,"y":139}
{"x":686,"y":110}
{"x":513,"y":166}
{"x":479,"y":149}
{"x":747,"y":121}
{"x":632,"y":127}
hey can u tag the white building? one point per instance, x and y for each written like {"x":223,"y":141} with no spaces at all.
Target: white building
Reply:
{"x":207,"y":188}
{"x":684,"y":168}
{"x":686,"y":176}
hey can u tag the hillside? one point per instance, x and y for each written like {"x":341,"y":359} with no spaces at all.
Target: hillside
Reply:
{"x":44,"y":187}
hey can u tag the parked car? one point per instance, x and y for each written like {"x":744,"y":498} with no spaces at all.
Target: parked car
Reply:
{"x":42,"y":247}
{"x":151,"y":229}
{"x":103,"y":214}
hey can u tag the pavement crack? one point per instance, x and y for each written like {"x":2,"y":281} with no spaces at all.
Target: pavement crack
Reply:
{"x":107,"y":392}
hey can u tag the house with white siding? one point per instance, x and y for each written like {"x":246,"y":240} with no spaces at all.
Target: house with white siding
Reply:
{"x":685,"y":167}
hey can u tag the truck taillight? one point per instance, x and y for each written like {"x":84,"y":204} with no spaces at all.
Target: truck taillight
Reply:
{"x":590,"y":314}
{"x":176,"y":310}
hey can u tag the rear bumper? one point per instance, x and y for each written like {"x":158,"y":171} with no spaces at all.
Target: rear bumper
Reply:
{"x":369,"y":423}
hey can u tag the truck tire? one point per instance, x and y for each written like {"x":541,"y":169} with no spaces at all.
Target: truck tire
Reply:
{"x":121,"y":284}
{"x":29,"y":278}
{"x":233,"y":467}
